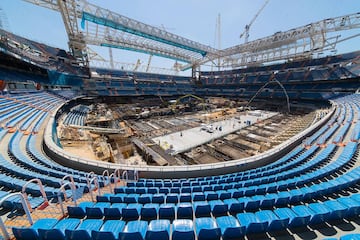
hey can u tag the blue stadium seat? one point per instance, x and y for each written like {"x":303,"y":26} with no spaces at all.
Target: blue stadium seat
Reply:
{"x":250,"y":191}
{"x":114,"y":211}
{"x":218,"y":208}
{"x":230,"y":227}
{"x":172,"y":198}
{"x":206,"y":228}
{"x":158,"y":198}
{"x":268,"y":201}
{"x":140,"y":190}
{"x":234,"y":206}
{"x":252,"y":223}
{"x":351,"y":236}
{"x":185,"y":197}
{"x":202,"y":209}
{"x":211,"y":195}
{"x":145,"y":198}
{"x":120,"y":190}
{"x":183,"y":229}
{"x":97,"y":211}
{"x":338,"y":210}
{"x":175,"y":190}
{"x":223,"y":194}
{"x":198,"y":196}
{"x":103,"y":198}
{"x":58,"y":231}
{"x":134,"y":230}
{"x":355,"y":197}
{"x":296,"y":195}
{"x":275,"y":223}
{"x":129,"y":190}
{"x":80,"y":210}
{"x":252,"y":203}
{"x":131,"y":198}
{"x":131,"y":212}
{"x":282,"y":199}
{"x":321,"y":213}
{"x":184,"y":211}
{"x":297,"y":219}
{"x":83,"y":231}
{"x":149,"y":211}
{"x":353,"y":207}
{"x":152,"y":190}
{"x":236,"y":193}
{"x":24,"y":233}
{"x":164,"y":190}
{"x":158,"y":230}
{"x":167,"y":211}
{"x":185,"y":190}
{"x":109,"y":230}
{"x":117,"y":198}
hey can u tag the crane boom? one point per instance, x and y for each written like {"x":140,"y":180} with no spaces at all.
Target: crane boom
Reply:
{"x":247,"y":27}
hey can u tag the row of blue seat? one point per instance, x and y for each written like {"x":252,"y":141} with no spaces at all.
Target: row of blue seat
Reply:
{"x":229,"y":183}
{"x":26,"y":124}
{"x":237,"y":188}
{"x":44,"y":160}
{"x":19,"y":156}
{"x":19,"y":174}
{"x":227,"y":227}
{"x":76,"y":116}
{"x":160,"y":206}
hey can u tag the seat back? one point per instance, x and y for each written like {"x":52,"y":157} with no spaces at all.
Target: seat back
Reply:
{"x":183,"y":229}
{"x":158,"y":229}
{"x":25,"y":233}
{"x":51,"y":234}
{"x":108,"y":230}
{"x":77,"y":234}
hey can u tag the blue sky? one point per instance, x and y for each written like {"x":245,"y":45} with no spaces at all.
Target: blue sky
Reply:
{"x":194,"y":19}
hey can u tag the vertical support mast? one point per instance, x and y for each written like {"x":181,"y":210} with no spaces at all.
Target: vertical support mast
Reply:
{"x":77,"y":44}
{"x":219,"y":38}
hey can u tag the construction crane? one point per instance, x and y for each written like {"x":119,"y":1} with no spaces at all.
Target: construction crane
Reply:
{"x":247,"y":27}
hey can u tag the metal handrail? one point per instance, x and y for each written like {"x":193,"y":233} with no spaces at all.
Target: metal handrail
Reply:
{"x":125,"y":176}
{"x":96,"y":182}
{"x":63,"y":190}
{"x":107,"y":178}
{"x":66,"y":177}
{"x":42,"y":191}
{"x":25,"y":207}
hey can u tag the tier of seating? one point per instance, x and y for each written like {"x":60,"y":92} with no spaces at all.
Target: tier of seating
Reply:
{"x":314,"y":183}
{"x":77,"y":115}
{"x":327,"y":68}
{"x":43,"y":55}
{"x":20,"y":161}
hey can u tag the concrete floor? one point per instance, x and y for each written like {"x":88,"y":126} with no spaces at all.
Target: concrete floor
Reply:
{"x":182,"y":141}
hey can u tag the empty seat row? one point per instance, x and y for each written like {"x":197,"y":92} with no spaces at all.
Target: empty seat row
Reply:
{"x":227,"y":227}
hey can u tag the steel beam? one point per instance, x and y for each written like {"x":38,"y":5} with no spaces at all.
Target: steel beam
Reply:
{"x":298,"y":42}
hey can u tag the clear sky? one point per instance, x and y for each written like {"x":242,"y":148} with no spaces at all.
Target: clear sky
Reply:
{"x":193,"y":19}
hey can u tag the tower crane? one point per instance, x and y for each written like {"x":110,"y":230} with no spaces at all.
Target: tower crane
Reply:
{"x":247,"y":27}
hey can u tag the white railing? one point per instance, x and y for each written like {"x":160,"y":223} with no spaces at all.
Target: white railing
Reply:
{"x":42,"y":191}
{"x":62,"y":190}
{"x":106,"y":177}
{"x":25,"y":207}
{"x":92,"y":178}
